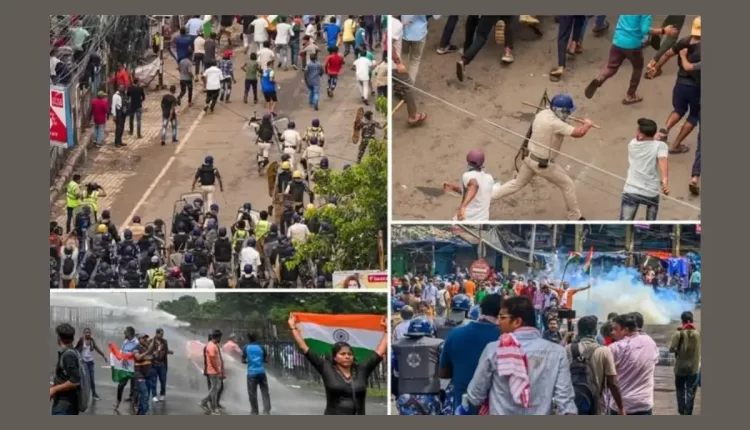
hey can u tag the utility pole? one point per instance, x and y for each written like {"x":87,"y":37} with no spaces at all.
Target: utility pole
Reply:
{"x":480,"y":248}
{"x":531,"y":249}
{"x":554,"y":236}
{"x":578,"y":245}
{"x":676,"y":239}
{"x":630,"y":243}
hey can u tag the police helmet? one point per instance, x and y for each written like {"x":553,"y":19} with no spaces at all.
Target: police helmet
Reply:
{"x":222,"y":231}
{"x":461,"y":302}
{"x":209,"y":160}
{"x":420,"y":327}
{"x":251,"y":242}
{"x":286,"y":165}
{"x":474,"y":312}
{"x":127,"y":234}
{"x":297,"y":174}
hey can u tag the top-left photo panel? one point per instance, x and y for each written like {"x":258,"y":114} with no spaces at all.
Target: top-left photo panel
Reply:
{"x":218,"y":151}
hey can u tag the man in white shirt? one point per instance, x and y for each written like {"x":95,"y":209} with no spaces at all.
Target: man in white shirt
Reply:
{"x":284,"y":33}
{"x":194,"y":26}
{"x":249,"y":255}
{"x":290,"y":139}
{"x":548,"y":131}
{"x":298,"y":232}
{"x":212,"y":78}
{"x":199,"y":51}
{"x":397,"y":34}
{"x":647,"y":159}
{"x":311,"y":31}
{"x":363,"y":66}
{"x":265,"y":54}
{"x":53,"y":61}
{"x":119,"y":115}
{"x":477,"y":188}
{"x":203,"y":282}
{"x":260,"y":27}
{"x":311,"y":156}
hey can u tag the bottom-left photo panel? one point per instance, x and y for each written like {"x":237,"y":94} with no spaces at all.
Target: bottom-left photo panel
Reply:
{"x":218,"y":353}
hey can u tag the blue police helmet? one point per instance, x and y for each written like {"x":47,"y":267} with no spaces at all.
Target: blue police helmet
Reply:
{"x":251,"y":242}
{"x":474,"y":312}
{"x":188,"y":258}
{"x":211,"y":224}
{"x":461,"y":302}
{"x":397,"y":304}
{"x":222,"y":231}
{"x":248,"y":269}
{"x":563,"y":102}
{"x":128,"y":235}
{"x":420,"y":327}
{"x":209,"y":160}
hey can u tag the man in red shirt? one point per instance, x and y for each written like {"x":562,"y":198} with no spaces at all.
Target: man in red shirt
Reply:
{"x":99,"y":114}
{"x":122,"y":77}
{"x":333,"y":65}
{"x":529,"y":290}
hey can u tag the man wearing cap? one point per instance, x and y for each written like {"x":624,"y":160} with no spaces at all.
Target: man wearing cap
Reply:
{"x":549,"y":129}
{"x":686,"y":95}
{"x":477,"y":188}
{"x":143,"y":355}
{"x":406,"y":313}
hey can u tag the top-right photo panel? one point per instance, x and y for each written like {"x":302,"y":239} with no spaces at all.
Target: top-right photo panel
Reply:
{"x":531,"y":117}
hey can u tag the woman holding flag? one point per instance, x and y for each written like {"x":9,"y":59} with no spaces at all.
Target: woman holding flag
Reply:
{"x":357,"y":345}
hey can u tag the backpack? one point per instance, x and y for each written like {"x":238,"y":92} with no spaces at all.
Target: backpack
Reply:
{"x":84,"y":388}
{"x":584,"y":387}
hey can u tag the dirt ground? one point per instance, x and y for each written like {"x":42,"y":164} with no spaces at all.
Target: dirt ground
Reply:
{"x":426,"y":157}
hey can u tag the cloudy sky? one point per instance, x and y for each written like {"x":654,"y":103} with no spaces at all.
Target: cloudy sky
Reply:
{"x":131,"y":299}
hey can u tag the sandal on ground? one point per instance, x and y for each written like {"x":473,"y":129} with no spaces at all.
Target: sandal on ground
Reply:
{"x":460,"y":69}
{"x":421,"y":117}
{"x":632,"y":101}
{"x":694,"y":189}
{"x":591,"y":88}
{"x":681,"y":149}
{"x":556,"y":74}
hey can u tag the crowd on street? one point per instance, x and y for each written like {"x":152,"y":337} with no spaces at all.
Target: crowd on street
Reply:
{"x":478,"y":340}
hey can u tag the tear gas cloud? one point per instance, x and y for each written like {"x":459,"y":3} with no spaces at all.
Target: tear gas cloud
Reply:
{"x":621,"y":290}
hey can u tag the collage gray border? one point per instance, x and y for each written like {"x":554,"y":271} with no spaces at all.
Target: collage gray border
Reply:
{"x":729,"y":391}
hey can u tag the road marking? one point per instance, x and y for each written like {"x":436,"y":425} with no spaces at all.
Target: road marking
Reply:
{"x":163,"y":172}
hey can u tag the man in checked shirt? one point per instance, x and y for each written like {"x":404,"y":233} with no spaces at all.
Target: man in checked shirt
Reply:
{"x":227,"y":70}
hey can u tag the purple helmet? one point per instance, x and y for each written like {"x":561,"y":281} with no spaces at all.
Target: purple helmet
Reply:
{"x":475,"y":158}
{"x":316,"y":123}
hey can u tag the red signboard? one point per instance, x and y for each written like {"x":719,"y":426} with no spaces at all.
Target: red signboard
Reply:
{"x":60,"y":127}
{"x":698,"y":228}
{"x":479,"y":270}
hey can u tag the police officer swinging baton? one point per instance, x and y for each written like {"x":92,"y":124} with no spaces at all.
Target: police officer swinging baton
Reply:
{"x":578,"y":120}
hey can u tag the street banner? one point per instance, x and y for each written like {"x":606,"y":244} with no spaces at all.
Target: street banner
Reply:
{"x":60,"y":118}
{"x":365,"y":279}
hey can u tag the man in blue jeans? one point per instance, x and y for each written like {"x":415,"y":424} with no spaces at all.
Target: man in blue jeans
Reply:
{"x":144,"y":356}
{"x":256,"y":357}
{"x":313,"y":73}
{"x":136,"y":96}
{"x":159,"y":366}
{"x":695,"y":181}
{"x":648,"y":172}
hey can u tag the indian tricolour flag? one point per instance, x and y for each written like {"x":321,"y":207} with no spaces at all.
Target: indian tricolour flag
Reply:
{"x":272,"y":21}
{"x":576,"y":257}
{"x":321,"y":331}
{"x":122,"y":363}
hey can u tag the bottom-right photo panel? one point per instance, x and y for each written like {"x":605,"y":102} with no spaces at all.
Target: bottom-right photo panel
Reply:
{"x":546,"y":319}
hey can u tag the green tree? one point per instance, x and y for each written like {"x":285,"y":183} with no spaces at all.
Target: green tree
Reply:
{"x":274,"y":307}
{"x":360,"y":214}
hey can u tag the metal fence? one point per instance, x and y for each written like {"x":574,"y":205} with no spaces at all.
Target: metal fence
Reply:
{"x":285,"y":362}
{"x":80,"y":319}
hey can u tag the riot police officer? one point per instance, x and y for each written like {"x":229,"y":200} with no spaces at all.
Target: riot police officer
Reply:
{"x":460,"y":307}
{"x":207,"y":174}
{"x":416,"y":368}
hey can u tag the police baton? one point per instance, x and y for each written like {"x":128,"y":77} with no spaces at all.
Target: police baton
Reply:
{"x":578,"y":120}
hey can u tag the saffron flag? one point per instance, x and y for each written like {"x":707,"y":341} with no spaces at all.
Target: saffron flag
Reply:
{"x":321,"y":331}
{"x":122,"y":364}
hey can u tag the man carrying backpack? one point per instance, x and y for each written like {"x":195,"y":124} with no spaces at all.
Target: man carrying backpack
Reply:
{"x":592,"y":370}
{"x":71,"y":389}
{"x":686,"y":346}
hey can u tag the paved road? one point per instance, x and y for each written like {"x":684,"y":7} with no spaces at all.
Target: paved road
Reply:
{"x":180,"y":400}
{"x":147,"y":179}
{"x":435,"y":152}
